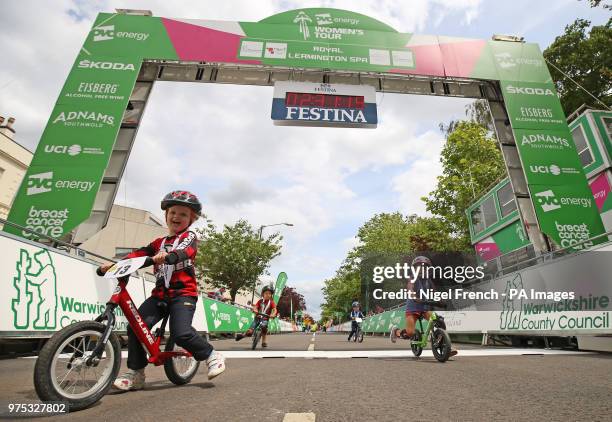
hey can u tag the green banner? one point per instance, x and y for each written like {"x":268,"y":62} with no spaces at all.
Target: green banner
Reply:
{"x":281,"y":281}
{"x":563,"y":201}
{"x":225,"y":318}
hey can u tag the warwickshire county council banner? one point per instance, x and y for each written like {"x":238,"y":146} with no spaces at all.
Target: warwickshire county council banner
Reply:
{"x":60,"y":187}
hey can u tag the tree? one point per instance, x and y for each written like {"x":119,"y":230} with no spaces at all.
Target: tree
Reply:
{"x":471,"y":162}
{"x":235,"y":257}
{"x":587,"y":59}
{"x":595,"y":3}
{"x":340,"y":291}
{"x":290,"y":300}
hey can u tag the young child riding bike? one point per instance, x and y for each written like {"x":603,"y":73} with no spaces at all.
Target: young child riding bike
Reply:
{"x":355,"y":313}
{"x":417,"y":307}
{"x":176,"y":291}
{"x":264,"y":309}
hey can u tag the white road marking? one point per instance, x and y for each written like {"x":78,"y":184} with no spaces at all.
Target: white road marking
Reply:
{"x":347,"y":354}
{"x":299,"y":417}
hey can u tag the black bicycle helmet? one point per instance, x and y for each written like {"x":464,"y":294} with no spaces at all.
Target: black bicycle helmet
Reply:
{"x":182,"y":197}
{"x":267,"y":289}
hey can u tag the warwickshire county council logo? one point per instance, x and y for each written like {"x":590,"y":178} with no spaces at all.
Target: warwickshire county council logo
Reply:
{"x":510,"y":316}
{"x":34,"y":302}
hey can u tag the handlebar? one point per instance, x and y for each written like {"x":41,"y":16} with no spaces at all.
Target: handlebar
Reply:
{"x":435,"y":304}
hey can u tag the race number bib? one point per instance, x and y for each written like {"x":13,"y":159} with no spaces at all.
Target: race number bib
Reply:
{"x":125,"y":267}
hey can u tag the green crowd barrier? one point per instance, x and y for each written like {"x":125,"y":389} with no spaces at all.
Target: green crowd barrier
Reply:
{"x":381,"y":323}
{"x":225,"y":318}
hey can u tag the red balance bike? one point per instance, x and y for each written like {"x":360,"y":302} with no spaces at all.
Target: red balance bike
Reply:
{"x":80,"y":362}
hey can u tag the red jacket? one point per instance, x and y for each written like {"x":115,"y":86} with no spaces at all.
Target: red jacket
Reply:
{"x":183,"y":281}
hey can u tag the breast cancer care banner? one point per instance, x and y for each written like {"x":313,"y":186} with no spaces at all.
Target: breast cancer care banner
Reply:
{"x":59,"y":189}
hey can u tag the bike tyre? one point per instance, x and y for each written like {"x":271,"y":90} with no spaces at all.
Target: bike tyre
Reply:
{"x":360,"y":336}
{"x":442,"y":351}
{"x":42,"y":369}
{"x":256,"y":337}
{"x":416,"y":349}
{"x":170,"y":370}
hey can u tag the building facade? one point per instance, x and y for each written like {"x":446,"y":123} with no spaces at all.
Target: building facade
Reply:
{"x":14,"y":161}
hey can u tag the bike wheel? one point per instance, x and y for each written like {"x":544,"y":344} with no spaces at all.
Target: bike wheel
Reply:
{"x":416,"y":348}
{"x":62,"y":374}
{"x":441,"y":345}
{"x":256,"y":337}
{"x":179,"y":369}
{"x":360,"y":336}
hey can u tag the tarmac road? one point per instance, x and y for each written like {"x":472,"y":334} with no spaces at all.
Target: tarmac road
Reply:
{"x":478,"y":384}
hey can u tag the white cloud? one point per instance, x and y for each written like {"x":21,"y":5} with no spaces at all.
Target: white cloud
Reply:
{"x":219,"y":141}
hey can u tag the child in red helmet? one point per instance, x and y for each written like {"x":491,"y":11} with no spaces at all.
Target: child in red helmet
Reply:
{"x":174,"y":257}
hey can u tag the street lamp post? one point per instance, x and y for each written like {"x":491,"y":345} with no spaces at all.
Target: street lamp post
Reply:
{"x":260,"y":237}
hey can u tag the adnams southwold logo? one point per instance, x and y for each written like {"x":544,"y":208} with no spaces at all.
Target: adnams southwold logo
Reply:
{"x":82,"y":118}
{"x":545,"y":141}
{"x":107,"y":32}
{"x":548,"y":201}
{"x":45,"y":182}
{"x":511,"y":89}
{"x":72,"y":150}
{"x":93,"y":64}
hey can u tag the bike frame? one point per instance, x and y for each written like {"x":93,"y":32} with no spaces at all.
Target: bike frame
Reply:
{"x":425,"y":337}
{"x":151,"y":342}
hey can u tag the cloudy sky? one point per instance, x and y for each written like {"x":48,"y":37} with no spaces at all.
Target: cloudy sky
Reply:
{"x":218,"y":140}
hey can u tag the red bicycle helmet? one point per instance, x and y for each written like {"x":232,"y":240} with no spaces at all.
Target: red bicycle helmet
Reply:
{"x":182,"y":197}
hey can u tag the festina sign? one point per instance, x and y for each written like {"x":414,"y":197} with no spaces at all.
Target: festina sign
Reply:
{"x":327,"y":105}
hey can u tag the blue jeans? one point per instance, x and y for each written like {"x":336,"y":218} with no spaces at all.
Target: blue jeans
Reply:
{"x":181,"y":310}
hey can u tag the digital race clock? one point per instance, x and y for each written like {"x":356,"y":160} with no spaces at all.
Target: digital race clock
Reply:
{"x":312,"y":104}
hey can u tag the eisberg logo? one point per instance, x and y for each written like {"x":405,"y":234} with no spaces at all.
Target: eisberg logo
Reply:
{"x":107,"y":32}
{"x":528,"y":90}
{"x":43,"y":182}
{"x":549,"y":202}
{"x":84,"y":119}
{"x":90,"y":64}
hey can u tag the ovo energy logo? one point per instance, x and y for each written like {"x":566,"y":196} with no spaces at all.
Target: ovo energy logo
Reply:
{"x":506,"y":61}
{"x":549,"y":202}
{"x":43,"y":182}
{"x":107,"y":32}
{"x":34,"y":302}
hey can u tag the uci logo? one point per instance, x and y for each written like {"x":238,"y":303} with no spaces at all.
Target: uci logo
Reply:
{"x":552,"y":169}
{"x":39,"y":183}
{"x":547,"y":200}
